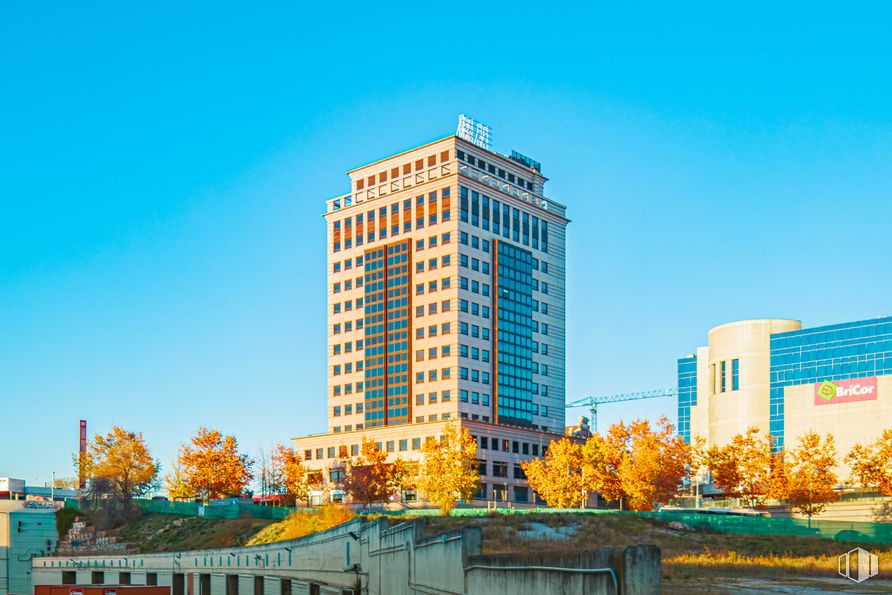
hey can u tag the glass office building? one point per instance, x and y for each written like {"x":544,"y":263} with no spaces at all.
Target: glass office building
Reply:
{"x":787,"y":380}
{"x":846,"y":351}
{"x":446,"y":304}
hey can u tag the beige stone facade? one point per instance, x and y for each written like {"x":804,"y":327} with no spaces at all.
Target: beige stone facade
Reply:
{"x":420,"y":331}
{"x":770,"y":374}
{"x":731,"y":406}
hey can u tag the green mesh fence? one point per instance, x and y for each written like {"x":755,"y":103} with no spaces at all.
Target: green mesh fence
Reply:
{"x":225,"y":511}
{"x":746,"y":525}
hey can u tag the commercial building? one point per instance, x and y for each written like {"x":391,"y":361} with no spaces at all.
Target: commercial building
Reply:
{"x":787,"y":380}
{"x":446,"y":280}
{"x":16,"y":489}
{"x":27,"y":530}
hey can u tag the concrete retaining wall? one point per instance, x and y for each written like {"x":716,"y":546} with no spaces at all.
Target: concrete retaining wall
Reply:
{"x":370,"y":557}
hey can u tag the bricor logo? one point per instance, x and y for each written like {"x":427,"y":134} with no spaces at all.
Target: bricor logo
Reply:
{"x":828,"y":390}
{"x":846,"y":391}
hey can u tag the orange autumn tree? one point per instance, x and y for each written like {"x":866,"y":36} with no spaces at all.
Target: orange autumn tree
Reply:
{"x":289,"y":476}
{"x":654,"y":464}
{"x":122,"y":459}
{"x":557,"y":477}
{"x":872,"y":464}
{"x":808,"y":476}
{"x":745,"y":467}
{"x":449,"y":473}
{"x":602,"y":459}
{"x":177,"y":488}
{"x":212,"y":465}
{"x":369,"y":477}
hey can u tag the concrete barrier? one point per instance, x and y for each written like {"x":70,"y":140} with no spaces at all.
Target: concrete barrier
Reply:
{"x":370,"y":557}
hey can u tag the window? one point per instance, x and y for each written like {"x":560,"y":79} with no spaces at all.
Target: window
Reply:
{"x":499,"y":469}
{"x":735,"y":374}
{"x":723,"y":366}
{"x":419,"y":399}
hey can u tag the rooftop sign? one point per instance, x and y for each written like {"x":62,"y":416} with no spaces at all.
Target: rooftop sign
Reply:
{"x":474,"y":132}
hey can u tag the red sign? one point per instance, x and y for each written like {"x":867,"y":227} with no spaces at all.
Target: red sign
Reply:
{"x":831,"y":392}
{"x":82,"y":448}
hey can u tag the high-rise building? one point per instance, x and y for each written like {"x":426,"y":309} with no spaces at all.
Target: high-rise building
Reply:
{"x":446,"y":281}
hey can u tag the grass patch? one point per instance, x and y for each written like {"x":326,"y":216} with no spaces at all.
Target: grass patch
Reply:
{"x":685,"y":554}
{"x":169,"y":533}
{"x":300,"y":524}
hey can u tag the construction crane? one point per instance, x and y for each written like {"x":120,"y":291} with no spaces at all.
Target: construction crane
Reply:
{"x":593,"y":402}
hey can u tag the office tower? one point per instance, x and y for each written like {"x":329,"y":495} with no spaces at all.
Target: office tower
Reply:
{"x":446,"y":281}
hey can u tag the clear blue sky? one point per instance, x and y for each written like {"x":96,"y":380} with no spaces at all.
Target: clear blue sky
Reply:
{"x":163,"y":171}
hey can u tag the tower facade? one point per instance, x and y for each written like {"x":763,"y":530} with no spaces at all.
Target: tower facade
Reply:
{"x":446,"y":281}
